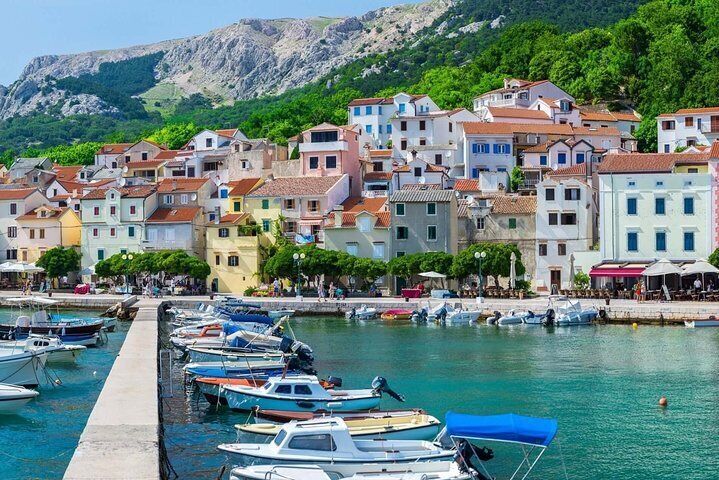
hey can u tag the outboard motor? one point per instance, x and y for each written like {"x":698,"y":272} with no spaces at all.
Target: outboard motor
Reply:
{"x":297,"y":364}
{"x":353,"y":313}
{"x":379,"y":384}
{"x":336,"y":381}
{"x":420,"y":316}
{"x":464,"y":455}
{"x":494,"y":318}
{"x":441,"y":315}
{"x":549,"y":317}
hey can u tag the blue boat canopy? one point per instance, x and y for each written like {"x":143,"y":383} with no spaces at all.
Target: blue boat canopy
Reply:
{"x":504,"y":428}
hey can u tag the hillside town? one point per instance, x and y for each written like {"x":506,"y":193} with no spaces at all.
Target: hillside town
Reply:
{"x":528,"y":166}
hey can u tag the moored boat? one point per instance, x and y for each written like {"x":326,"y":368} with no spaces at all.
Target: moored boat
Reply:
{"x":199,"y":354}
{"x":397,"y":314}
{"x":14,"y":397}
{"x":284,"y":416}
{"x":57,"y":351}
{"x":362,"y":313}
{"x":210,"y":387}
{"x":232,"y":369}
{"x":22,"y":368}
{"x":439,"y":470}
{"x":709,"y":322}
{"x":277,"y":314}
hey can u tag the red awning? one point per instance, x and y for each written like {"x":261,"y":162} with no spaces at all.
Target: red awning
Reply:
{"x":616,"y":272}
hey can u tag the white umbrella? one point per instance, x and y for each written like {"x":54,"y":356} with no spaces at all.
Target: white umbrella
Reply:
{"x":700,"y":266}
{"x":512,"y":270}
{"x":432,"y":275}
{"x":88,"y":270}
{"x":571,"y":271}
{"x":662,"y":268}
{"x":22,"y":268}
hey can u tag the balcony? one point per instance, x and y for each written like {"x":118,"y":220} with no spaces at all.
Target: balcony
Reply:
{"x":710,"y":130}
{"x":375,"y":193}
{"x":340,"y":145}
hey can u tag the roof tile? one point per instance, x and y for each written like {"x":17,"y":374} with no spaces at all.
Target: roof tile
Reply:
{"x":299,"y":186}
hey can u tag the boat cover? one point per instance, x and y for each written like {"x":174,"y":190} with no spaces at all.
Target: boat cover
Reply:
{"x":504,"y":428}
{"x":248,"y":317}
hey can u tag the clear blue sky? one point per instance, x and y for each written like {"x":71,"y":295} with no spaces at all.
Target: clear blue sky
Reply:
{"x":38,"y":27}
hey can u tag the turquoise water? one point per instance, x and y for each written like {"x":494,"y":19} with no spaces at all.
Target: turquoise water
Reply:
{"x":602,"y":383}
{"x":39,"y":442}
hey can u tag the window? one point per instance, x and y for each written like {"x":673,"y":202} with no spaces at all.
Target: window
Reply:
{"x":11,"y":254}
{"x":553,"y":219}
{"x":402,"y":107}
{"x":265,"y":224}
{"x":356,"y":111}
{"x":289,"y":203}
{"x":417,"y":171}
{"x":501,"y":148}
{"x":314,"y":163}
{"x":168,"y":199}
{"x":352,"y":249}
{"x":378,"y":250}
{"x":183,"y":199}
{"x":480,"y":148}
{"x":403,"y":144}
{"x":303,"y":390}
{"x":632,"y":241}
{"x":438,"y":159}
{"x":363,"y":224}
{"x":217,"y":259}
{"x":265,"y":204}
{"x":402,"y":233}
{"x":331,"y":161}
{"x":127,"y":158}
{"x":237,"y":206}
{"x":399,"y":209}
{"x":13,"y":209}
{"x":131,"y":231}
{"x":689,"y":122}
{"x":283,"y":389}
{"x":549,"y":194}
{"x":562,"y":158}
{"x":324,"y":137}
{"x":151,"y":234}
{"x":631,"y":206}
{"x":32,"y":233}
{"x":233,"y":261}
{"x":431,"y":208}
{"x":580,"y":158}
{"x":543,"y":160}
{"x":389,"y":128}
{"x":96,"y":211}
{"x":688,"y":205}
{"x":422,"y":124}
{"x":368,"y":128}
{"x":368,"y":110}
{"x":660,"y":241}
{"x":571,"y":194}
{"x":542,"y":249}
{"x":245,"y":165}
{"x":660,"y":207}
{"x":423,"y":141}
{"x":688,"y":241}
{"x":431,"y":233}
{"x":379,"y":110}
{"x":569,"y":219}
{"x":512,"y":223}
{"x":223,"y":232}
{"x":113,"y":232}
{"x":403,"y":126}
{"x":480,"y":223}
{"x":144,"y":155}
{"x":666,"y":148}
{"x":668,"y":125}
{"x":208,"y":142}
{"x":313,"y":206}
{"x":95,"y":233}
{"x":101,"y":254}
{"x":12,"y":232}
{"x":561,"y":249}
{"x":323,"y":442}
{"x":113,"y":210}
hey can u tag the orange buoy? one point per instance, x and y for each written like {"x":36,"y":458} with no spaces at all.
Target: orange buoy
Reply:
{"x":663,"y":402}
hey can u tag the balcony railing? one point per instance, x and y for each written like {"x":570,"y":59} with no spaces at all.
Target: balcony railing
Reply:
{"x":375,"y":193}
{"x":710,"y":129}
{"x":324,"y":146}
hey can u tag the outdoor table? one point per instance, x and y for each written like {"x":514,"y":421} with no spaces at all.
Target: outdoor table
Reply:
{"x":411,"y":292}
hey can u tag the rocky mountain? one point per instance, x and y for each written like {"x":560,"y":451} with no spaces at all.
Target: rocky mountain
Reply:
{"x":244,"y":60}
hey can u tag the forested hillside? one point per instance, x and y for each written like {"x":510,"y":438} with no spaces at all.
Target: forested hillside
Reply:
{"x":662,"y":57}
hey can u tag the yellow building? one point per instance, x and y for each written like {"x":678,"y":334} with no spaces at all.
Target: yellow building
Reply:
{"x":44,"y":228}
{"x":234,"y":254}
{"x":239,"y":189}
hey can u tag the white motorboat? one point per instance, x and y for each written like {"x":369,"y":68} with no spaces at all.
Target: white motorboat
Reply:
{"x":362,"y":313}
{"x":441,"y":470}
{"x":570,"y":312}
{"x":22,"y":368}
{"x":277,"y":314}
{"x":511,"y":318}
{"x":57,"y":351}
{"x":199,"y":354}
{"x":14,"y":397}
{"x":460,"y":316}
{"x":709,"y":322}
{"x":328,"y":444}
{"x":303,"y":393}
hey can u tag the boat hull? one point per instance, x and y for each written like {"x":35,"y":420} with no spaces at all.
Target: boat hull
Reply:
{"x":14,"y":398}
{"x":701,"y":323}
{"x":24,"y":369}
{"x":406,"y":431}
{"x":245,"y":402}
{"x":217,"y":355}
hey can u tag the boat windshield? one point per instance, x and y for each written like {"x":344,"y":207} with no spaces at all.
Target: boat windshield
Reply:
{"x":279,"y":437}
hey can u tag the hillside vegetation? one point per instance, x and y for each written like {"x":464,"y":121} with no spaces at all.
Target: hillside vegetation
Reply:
{"x":662,"y":57}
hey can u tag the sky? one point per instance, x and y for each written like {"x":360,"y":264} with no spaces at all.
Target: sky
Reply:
{"x":39,"y":27}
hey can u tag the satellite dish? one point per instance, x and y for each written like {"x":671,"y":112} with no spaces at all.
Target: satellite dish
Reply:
{"x":121,"y":182}
{"x":193,"y":197}
{"x":422,"y":180}
{"x":125,"y":169}
{"x":469,"y":198}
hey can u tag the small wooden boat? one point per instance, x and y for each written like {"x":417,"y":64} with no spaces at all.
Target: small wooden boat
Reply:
{"x":14,"y":397}
{"x":709,"y":322}
{"x":419,"y":426}
{"x":284,"y":416}
{"x":397,"y":314}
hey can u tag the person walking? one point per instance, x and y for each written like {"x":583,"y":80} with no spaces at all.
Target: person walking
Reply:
{"x":332,"y":290}
{"x":320,"y":291}
{"x":276,"y":288}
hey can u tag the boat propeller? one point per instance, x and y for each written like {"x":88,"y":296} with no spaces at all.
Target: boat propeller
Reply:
{"x":379,"y":384}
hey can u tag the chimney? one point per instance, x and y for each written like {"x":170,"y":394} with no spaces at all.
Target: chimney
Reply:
{"x":337,"y":213}
{"x":218,"y":214}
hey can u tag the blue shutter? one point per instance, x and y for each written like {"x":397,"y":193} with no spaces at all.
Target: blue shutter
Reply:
{"x":389,"y":128}
{"x":357,"y":110}
{"x":379,"y":110}
{"x":659,"y":206}
{"x":688,"y":205}
{"x":580,"y":158}
{"x":661,"y":242}
{"x":543,"y":160}
{"x":632,"y":242}
{"x":368,"y":128}
{"x":562,"y":158}
{"x":368,"y":110}
{"x":631,"y":206}
{"x":475,"y":148}
{"x":495,"y":148}
{"x":688,"y":241}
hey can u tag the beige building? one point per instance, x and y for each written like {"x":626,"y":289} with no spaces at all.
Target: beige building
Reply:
{"x":46,"y":227}
{"x":234,"y":254}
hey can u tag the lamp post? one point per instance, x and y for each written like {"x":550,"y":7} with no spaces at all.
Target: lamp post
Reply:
{"x":479,"y":256}
{"x":126,"y":257}
{"x":298,"y":257}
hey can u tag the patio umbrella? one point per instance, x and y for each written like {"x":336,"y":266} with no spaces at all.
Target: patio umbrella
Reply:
{"x":433,"y":275}
{"x":88,"y":270}
{"x":700,"y":266}
{"x":22,"y":268}
{"x":662,"y":268}
{"x":571,"y":271}
{"x":512,"y":270}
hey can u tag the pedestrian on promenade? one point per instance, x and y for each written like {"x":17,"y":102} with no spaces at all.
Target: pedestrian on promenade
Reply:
{"x":276,"y":288}
{"x":698,"y":285}
{"x":332,"y":290}
{"x":320,"y":291}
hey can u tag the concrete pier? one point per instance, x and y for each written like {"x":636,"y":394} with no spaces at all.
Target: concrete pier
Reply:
{"x":121,"y":438}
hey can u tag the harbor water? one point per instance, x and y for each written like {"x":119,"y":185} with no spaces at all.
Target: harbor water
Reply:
{"x":601,"y":382}
{"x":39,"y":441}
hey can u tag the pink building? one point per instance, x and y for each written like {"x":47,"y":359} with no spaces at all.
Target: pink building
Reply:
{"x":327,"y":150}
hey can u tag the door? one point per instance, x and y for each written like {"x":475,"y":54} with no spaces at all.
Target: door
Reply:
{"x":555,"y":280}
{"x":191,"y":172}
{"x":715,"y":123}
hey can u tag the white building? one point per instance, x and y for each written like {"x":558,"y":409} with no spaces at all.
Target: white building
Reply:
{"x":626,"y":122}
{"x":487,"y":147}
{"x":687,"y":127}
{"x":518,"y":93}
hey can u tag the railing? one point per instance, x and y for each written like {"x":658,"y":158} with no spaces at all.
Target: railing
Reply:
{"x":375,"y":193}
{"x":323,"y":146}
{"x":713,"y":129}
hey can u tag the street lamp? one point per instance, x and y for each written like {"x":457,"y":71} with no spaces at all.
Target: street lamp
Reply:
{"x":479,"y":256}
{"x":298,"y":257}
{"x":126,"y":256}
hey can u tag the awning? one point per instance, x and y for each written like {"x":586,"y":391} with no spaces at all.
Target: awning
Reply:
{"x":616,"y":272}
{"x":502,"y":428}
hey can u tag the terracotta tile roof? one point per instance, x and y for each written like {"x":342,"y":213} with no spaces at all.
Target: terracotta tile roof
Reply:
{"x":466,"y":185}
{"x":125,"y":192}
{"x":32,"y":214}
{"x":166,"y":155}
{"x":113,"y":148}
{"x":648,"y":162}
{"x":429,"y":168}
{"x":145,"y":164}
{"x":358,"y":204}
{"x":99,"y":183}
{"x":487,"y":128}
{"x":627,"y":117}
{"x":161,"y":147}
{"x":174,"y":215}
{"x":379,"y":100}
{"x":231,"y":218}
{"x":349,"y":219}
{"x":16,"y":193}
{"x":685,"y":111}
{"x":242,"y":187}
{"x":608,"y":131}
{"x":580,"y":169}
{"x":296,"y":186}
{"x":515,"y":204}
{"x":426,"y":195}
{"x":714,"y":152}
{"x":382,"y":153}
{"x":597,"y":117}
{"x":181,"y":184}
{"x":383,"y":219}
{"x":66,"y":172}
{"x":371,"y":176}
{"x":518,"y":113}
{"x":541,"y":148}
{"x":72,"y":186}
{"x":502,"y":128}
{"x":227,"y":132}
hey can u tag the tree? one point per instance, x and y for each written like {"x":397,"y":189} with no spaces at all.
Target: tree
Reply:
{"x":59,"y":261}
{"x":440,"y":262}
{"x":496,"y":263}
{"x":369,"y":269}
{"x":406,"y":266}
{"x":516,"y":178}
{"x":581,"y":280}
{"x":714,"y":258}
{"x":175,"y":135}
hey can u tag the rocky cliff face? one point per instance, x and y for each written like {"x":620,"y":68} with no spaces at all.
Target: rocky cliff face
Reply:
{"x":249,"y":58}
